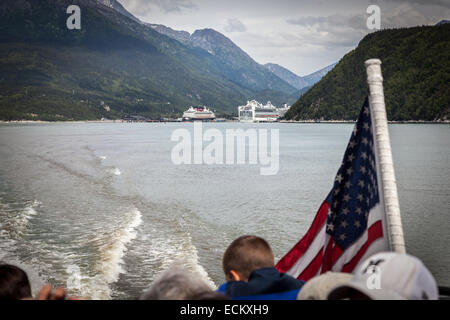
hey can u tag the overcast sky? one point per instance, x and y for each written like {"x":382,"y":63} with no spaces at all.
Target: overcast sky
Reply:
{"x":303,"y":36}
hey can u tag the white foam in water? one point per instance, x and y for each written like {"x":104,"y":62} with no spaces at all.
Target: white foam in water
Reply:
{"x":74,"y":279}
{"x":176,"y":251}
{"x":20,"y":222}
{"x":79,"y":283}
{"x":116,"y":171}
{"x":112,"y":249}
{"x":197,"y":267}
{"x":102,"y":157}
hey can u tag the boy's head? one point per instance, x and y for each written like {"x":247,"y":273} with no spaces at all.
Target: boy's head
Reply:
{"x":245,"y":255}
{"x":14,"y":284}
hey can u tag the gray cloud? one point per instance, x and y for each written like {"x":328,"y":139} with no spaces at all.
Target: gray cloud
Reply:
{"x":234,"y":25}
{"x":302,"y":35}
{"x":442,"y":3}
{"x":174,"y":5}
{"x":142,"y":8}
{"x":330,"y":23}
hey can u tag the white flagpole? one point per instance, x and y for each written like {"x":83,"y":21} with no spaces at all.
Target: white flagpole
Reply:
{"x":389,"y":185}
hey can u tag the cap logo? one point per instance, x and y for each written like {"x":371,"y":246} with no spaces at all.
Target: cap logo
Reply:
{"x":373,"y":263}
{"x":374,"y":280}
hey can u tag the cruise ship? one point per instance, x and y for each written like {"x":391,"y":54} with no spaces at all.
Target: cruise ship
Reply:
{"x":256,"y":112}
{"x":282,"y":111}
{"x":198,"y":113}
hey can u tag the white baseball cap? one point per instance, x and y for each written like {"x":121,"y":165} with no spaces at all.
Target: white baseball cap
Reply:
{"x":390,"y":276}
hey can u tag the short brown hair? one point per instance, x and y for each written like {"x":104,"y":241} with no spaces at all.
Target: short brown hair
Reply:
{"x":246,"y":254}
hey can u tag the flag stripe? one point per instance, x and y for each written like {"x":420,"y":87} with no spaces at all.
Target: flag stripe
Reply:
{"x":375,"y":232}
{"x":301,"y":247}
{"x":326,"y":265}
{"x":375,"y":214}
{"x":310,"y":253}
{"x":313,"y":268}
{"x":333,"y":253}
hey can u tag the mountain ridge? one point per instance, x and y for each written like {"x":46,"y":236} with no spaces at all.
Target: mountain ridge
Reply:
{"x":241,"y":68}
{"x":295,"y":80}
{"x":116,"y":5}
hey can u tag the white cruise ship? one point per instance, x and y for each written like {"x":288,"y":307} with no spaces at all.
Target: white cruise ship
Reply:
{"x":283,"y":110}
{"x":198,"y":113}
{"x":256,"y":112}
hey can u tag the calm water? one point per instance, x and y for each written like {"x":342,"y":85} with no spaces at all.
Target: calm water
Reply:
{"x":101,"y":208}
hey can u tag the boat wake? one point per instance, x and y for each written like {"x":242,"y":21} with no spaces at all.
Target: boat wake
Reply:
{"x":112,"y":247}
{"x":15,"y":222}
{"x":176,"y":249}
{"x":115,"y":171}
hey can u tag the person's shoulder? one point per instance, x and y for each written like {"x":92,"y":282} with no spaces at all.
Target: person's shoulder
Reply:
{"x":291,"y":282}
{"x":222,"y":288}
{"x":291,"y":278}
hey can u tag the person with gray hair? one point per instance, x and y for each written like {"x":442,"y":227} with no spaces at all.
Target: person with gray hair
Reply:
{"x":177,"y":283}
{"x":320,"y":286}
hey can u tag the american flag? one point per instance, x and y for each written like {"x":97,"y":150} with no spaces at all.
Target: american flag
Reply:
{"x":350,"y":223}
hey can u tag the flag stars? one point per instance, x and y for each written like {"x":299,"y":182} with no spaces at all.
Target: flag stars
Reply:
{"x":355,"y":190}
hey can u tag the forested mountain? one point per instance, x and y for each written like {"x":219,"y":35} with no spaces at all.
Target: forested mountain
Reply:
{"x":240,"y":67}
{"x":113,"y":63}
{"x":416,"y":72}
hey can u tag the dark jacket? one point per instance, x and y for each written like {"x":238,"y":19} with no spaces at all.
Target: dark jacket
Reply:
{"x":263,"y":284}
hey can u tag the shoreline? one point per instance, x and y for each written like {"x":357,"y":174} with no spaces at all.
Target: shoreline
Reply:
{"x":228,"y":121}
